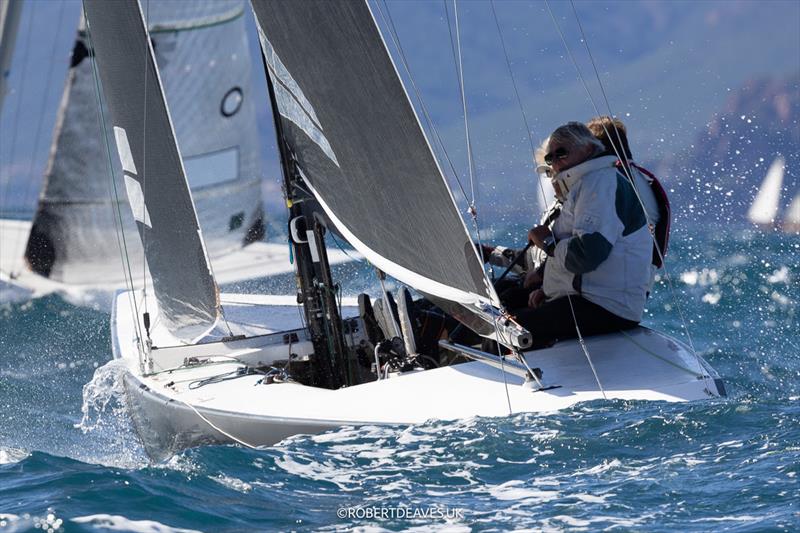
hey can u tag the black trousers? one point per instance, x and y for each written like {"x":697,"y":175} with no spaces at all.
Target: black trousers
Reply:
{"x":552,"y":321}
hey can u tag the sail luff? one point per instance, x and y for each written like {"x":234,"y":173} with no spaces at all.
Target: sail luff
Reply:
{"x":361,"y":149}
{"x":153,"y":170}
{"x":765,"y":206}
{"x":493,"y":297}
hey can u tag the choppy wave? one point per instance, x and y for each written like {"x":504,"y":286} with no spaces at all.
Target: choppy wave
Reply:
{"x":67,"y":448}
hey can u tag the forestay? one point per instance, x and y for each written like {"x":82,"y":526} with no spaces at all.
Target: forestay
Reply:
{"x":202,"y":55}
{"x":360,"y":147}
{"x":153,"y":172}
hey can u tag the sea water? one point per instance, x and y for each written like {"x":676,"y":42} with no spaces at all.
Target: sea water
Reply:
{"x":70,"y":461}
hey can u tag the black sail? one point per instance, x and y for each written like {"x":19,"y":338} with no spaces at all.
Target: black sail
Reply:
{"x":360,"y":147}
{"x":154,"y":178}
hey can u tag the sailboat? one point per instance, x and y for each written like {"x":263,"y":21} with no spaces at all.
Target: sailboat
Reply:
{"x":71,"y":245}
{"x":791,"y":222}
{"x":765,"y":209}
{"x":204,"y":367}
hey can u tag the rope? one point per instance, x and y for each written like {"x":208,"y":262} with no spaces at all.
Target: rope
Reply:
{"x":584,"y":347}
{"x":214,"y":426}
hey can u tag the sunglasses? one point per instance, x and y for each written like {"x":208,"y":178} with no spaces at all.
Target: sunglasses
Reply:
{"x":556,"y":155}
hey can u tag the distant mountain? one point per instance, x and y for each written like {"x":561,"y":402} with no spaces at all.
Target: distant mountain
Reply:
{"x":718,"y":176}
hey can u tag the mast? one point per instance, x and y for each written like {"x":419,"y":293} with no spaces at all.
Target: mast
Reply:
{"x":316,"y":290}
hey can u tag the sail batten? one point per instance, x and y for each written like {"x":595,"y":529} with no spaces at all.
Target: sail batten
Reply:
{"x":155,"y":179}
{"x":361,"y":149}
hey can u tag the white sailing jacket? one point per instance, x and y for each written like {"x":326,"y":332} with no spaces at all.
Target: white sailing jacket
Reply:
{"x":603,"y":246}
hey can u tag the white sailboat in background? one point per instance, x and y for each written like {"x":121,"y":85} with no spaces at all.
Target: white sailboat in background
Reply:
{"x":208,"y":368}
{"x":71,"y":245}
{"x":765,"y":209}
{"x":791,"y":221}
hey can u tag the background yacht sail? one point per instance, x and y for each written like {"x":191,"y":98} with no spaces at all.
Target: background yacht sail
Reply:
{"x":202,"y":54}
{"x":765,"y":207}
{"x":153,"y":172}
{"x":360,"y":148}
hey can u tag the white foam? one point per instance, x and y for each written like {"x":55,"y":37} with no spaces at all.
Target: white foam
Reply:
{"x":120,"y":523}
{"x":233,"y":483}
{"x":590,"y":498}
{"x":741,"y":518}
{"x":12,"y":455}
{"x":511,"y":490}
{"x":706,"y":276}
{"x":779,"y":276}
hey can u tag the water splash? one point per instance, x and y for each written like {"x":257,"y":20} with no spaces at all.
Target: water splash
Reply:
{"x":104,"y":416}
{"x":105,"y":392}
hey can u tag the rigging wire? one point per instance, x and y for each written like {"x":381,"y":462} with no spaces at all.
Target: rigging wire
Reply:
{"x":472,"y":209}
{"x":623,"y":157}
{"x":127,"y":271}
{"x":144,"y":175}
{"x":38,"y":135}
{"x":389,"y":23}
{"x":143,"y":233}
{"x":628,"y":171}
{"x":395,"y":39}
{"x":519,"y":102}
{"x":470,"y":161}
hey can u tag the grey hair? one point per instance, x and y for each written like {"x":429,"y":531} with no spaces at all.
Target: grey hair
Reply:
{"x":577,"y":134}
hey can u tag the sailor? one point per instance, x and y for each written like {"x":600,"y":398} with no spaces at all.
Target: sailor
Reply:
{"x":614,"y":136}
{"x":600,"y":249}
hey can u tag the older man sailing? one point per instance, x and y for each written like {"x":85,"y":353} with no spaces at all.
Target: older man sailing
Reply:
{"x":598,"y":272}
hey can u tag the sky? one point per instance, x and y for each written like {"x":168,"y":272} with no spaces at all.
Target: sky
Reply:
{"x":666,"y":68}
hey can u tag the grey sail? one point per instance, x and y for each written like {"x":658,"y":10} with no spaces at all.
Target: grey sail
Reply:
{"x":360,"y":148}
{"x":153,"y":172}
{"x":202,"y":54}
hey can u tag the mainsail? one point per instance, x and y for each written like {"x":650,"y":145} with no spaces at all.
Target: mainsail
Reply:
{"x":765,"y":206}
{"x":202,"y":54}
{"x":360,"y":148}
{"x":153,"y":172}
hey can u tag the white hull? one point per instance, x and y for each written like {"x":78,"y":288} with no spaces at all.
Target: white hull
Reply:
{"x":257,"y":260}
{"x":637,"y":365}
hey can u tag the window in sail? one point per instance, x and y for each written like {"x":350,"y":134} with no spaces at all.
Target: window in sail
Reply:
{"x":212,"y":168}
{"x":231,"y":102}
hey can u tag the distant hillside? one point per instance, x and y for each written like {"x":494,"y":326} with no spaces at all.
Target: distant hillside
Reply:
{"x":719,"y":174}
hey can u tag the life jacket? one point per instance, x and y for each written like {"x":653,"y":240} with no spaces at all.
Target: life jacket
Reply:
{"x":661,"y":231}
